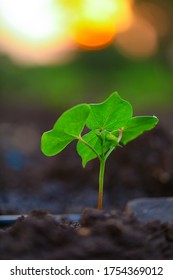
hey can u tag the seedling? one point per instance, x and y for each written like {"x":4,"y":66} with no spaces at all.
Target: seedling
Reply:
{"x":111,"y":125}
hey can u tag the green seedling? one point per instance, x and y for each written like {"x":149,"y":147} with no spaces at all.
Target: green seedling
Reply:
{"x":111,"y":125}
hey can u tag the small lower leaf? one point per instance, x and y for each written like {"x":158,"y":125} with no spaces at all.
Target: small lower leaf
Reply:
{"x":95,"y":140}
{"x":84,"y":151}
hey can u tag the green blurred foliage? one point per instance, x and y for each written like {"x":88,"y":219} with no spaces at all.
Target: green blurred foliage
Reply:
{"x":90,"y":77}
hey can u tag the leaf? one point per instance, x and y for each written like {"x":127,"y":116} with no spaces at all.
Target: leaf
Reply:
{"x":136,"y":126}
{"x":54,"y":141}
{"x":111,"y":114}
{"x":104,"y":119}
{"x":73,"y":120}
{"x":85,"y":152}
{"x":67,"y":128}
{"x":95,"y":141}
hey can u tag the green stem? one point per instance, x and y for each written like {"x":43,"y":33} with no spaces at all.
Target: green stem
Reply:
{"x":101,"y":182}
{"x":109,"y":152}
{"x":118,"y":140}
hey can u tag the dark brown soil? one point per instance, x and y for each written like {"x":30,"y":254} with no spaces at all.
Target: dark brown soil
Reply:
{"x":96,"y":236}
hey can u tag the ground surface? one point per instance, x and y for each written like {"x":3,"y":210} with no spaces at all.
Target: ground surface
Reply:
{"x":96,"y":236}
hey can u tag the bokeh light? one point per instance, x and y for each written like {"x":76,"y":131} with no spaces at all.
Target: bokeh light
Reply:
{"x":35,"y":31}
{"x":48,"y":31}
{"x":158,"y":15}
{"x":97,"y":22}
{"x":33,"y":20}
{"x":51,"y":52}
{"x":139,"y":41}
{"x":52,"y":31}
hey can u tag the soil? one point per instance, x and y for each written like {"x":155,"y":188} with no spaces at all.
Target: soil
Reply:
{"x":97,"y":236}
{"x":59,"y":184}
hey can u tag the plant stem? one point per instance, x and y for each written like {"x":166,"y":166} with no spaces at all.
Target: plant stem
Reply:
{"x":101,"y":181}
{"x":120,"y":134}
{"x":118,"y":140}
{"x":109,"y":152}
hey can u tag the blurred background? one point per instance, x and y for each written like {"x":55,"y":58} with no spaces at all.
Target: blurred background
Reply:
{"x":58,"y":53}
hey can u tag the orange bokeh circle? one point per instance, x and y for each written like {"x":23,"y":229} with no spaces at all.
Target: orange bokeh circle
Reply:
{"x":90,"y":36}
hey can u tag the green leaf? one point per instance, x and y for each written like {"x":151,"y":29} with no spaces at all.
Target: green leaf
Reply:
{"x":111,"y":114}
{"x":95,"y":140}
{"x":84,"y":151}
{"x":73,"y":120}
{"x":67,"y":128}
{"x":54,"y":141}
{"x":136,"y":126}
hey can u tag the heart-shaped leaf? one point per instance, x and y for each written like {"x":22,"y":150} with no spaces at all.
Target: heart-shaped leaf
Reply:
{"x":111,"y":114}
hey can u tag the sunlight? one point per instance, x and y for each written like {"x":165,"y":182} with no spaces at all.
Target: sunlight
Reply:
{"x":44,"y":31}
{"x":97,"y":22}
{"x":48,"y":53}
{"x":34,"y":20}
{"x":35,"y":31}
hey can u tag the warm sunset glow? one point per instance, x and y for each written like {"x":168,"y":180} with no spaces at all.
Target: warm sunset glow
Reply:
{"x":47,"y":31}
{"x":97,"y":22}
{"x":51,"y":31}
{"x":35,"y":31}
{"x":48,"y":53}
{"x":139,"y":41}
{"x":123,"y":15}
{"x":92,"y":36}
{"x":33,"y":20}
